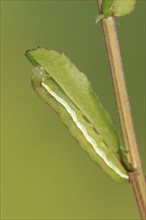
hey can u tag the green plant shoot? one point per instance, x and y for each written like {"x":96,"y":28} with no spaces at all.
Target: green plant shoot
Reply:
{"x":107,"y":8}
{"x":115,"y":7}
{"x":122,"y":7}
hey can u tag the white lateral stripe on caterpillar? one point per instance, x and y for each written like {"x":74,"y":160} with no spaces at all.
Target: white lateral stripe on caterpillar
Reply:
{"x":84,"y":131}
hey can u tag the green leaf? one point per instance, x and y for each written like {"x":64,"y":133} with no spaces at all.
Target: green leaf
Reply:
{"x":99,"y":18}
{"x":123,"y":7}
{"x":67,"y":90}
{"x":107,"y":8}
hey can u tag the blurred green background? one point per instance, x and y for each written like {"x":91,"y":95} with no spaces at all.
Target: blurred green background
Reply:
{"x":45,"y":174}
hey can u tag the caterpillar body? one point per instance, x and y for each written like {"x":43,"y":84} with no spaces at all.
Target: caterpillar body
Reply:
{"x":68,"y":92}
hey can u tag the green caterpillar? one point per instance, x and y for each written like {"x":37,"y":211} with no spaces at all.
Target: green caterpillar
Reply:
{"x":68,"y":92}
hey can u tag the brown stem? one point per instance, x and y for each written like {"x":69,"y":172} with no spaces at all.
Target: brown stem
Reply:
{"x":137,"y":181}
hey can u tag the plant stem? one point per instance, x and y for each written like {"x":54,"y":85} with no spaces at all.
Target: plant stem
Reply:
{"x":137,"y":180}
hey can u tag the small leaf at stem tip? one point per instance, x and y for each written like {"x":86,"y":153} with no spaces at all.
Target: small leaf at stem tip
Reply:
{"x":99,"y":18}
{"x":107,"y":8}
{"x":122,"y":7}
